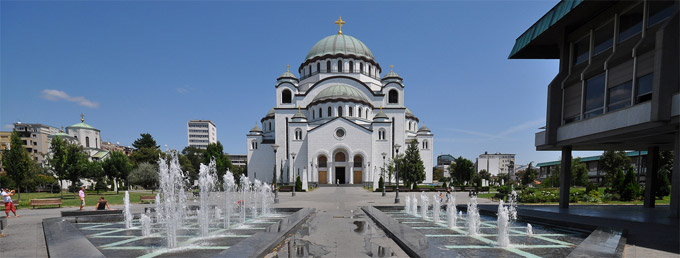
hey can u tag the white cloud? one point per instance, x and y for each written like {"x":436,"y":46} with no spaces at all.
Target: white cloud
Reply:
{"x":182,"y":90}
{"x":57,"y":95}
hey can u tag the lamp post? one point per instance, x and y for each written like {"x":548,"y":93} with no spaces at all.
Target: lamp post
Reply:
{"x":292,"y":154}
{"x":368,"y":167}
{"x":276,"y":188}
{"x":311,"y":167}
{"x":396,"y":169}
{"x":383,"y":173}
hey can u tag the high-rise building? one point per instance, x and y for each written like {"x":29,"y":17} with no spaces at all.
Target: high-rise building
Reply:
{"x":200,"y":133}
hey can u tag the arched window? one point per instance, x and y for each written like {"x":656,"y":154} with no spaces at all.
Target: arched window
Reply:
{"x":351,"y":67}
{"x":318,"y":67}
{"x":359,"y":112}
{"x":358,"y":161}
{"x":323,"y":161}
{"x":313,"y":117}
{"x":393,"y":96}
{"x":367,"y":113}
{"x":369,"y":70}
{"x":253,"y":145}
{"x":425,"y":145}
{"x":286,"y":96}
{"x":320,"y":113}
{"x":340,"y":157}
{"x":87,"y":141}
{"x":328,"y":66}
{"x":330,"y":112}
{"x":361,"y":67}
{"x":310,"y":70}
{"x":381,"y":134}
{"x":340,"y":111}
{"x":339,"y":66}
{"x":298,"y":134}
{"x":270,"y":126}
{"x":350,"y":112}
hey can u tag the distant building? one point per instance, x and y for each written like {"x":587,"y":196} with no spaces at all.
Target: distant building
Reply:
{"x":35,"y":139}
{"x":110,"y":146}
{"x":200,"y":133}
{"x":496,"y":163}
{"x":239,"y":160}
{"x":444,"y":162}
{"x":89,"y":138}
{"x":595,"y":173}
{"x":5,"y":138}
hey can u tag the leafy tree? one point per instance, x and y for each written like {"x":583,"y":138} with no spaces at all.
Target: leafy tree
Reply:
{"x":145,"y":155}
{"x":630,"y":189}
{"x":187,"y":167}
{"x":410,"y":166}
{"x":610,"y":162}
{"x":437,"y":174}
{"x":579,"y":173}
{"x":238,"y":171}
{"x":95,"y":172}
{"x":464,"y":170}
{"x":17,"y":162}
{"x":663,"y":176}
{"x":529,"y":175}
{"x":58,"y":160}
{"x":145,"y":141}
{"x":298,"y":184}
{"x":145,"y":175}
{"x":76,"y":164}
{"x":195,"y":157}
{"x":222,"y":162}
{"x":381,"y":182}
{"x":117,"y":166}
{"x":485,"y":174}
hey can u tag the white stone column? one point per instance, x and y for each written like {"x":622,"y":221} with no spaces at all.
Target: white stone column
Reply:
{"x":303,"y":177}
{"x":351,"y":172}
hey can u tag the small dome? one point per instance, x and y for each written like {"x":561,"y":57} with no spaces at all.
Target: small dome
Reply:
{"x":287,"y":75}
{"x":410,"y":115}
{"x":299,"y":115}
{"x":424,"y":129}
{"x":380,"y":116}
{"x":340,"y":44}
{"x":271,"y":112}
{"x":256,"y":129}
{"x":340,"y":92}
{"x":392,"y":74}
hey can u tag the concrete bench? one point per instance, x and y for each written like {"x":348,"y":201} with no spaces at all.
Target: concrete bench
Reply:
{"x":45,"y":202}
{"x":147,"y":198}
{"x":286,"y":188}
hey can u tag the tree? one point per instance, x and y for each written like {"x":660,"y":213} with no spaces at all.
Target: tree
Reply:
{"x":579,"y":173}
{"x":410,"y":166}
{"x":663,"y":176}
{"x":16,"y":161}
{"x":147,"y":150}
{"x":463,"y":171}
{"x":529,"y":175}
{"x":437,"y":174}
{"x":145,"y":141}
{"x":187,"y":167}
{"x":95,"y":172}
{"x":610,"y":162}
{"x":58,"y":160}
{"x":222,"y":162}
{"x":630,"y":190}
{"x":485,"y":174}
{"x":145,"y":175}
{"x":117,"y":166}
{"x":76,"y":164}
{"x":195,"y":157}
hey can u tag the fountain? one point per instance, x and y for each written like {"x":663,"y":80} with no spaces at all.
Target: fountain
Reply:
{"x":171,"y":213}
{"x":414,"y":206}
{"x":257,"y":185}
{"x":503,"y":239}
{"x":425,"y":204}
{"x":451,"y":212}
{"x":229,"y":188}
{"x":126,"y":212}
{"x":159,"y":209}
{"x":145,"y":220}
{"x":266,"y":197}
{"x":473,"y":217}
{"x":245,"y":190}
{"x":407,"y":204}
{"x":436,"y":207}
{"x":513,"y":205}
{"x":530,"y":230}
{"x":206,"y":183}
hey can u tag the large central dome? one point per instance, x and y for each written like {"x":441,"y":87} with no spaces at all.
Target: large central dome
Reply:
{"x":342,"y":45}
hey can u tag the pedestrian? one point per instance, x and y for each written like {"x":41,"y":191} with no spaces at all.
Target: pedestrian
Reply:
{"x":81,"y":193}
{"x":448,"y":194}
{"x":9,"y":205}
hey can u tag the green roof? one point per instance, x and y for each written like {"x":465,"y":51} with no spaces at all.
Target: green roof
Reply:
{"x":339,"y":44}
{"x":591,"y":158}
{"x":340,"y":91}
{"x":549,"y":19}
{"x":82,"y":125}
{"x":100,"y":154}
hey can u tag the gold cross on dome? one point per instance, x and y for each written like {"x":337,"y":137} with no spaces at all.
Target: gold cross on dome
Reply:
{"x":391,"y":66}
{"x":339,"y":22}
{"x":82,"y":117}
{"x":287,"y":68}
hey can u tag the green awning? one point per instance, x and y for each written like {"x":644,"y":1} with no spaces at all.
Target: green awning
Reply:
{"x":591,"y":158}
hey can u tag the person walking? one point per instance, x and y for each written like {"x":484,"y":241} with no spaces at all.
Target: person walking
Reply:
{"x":81,"y":193}
{"x":9,"y":205}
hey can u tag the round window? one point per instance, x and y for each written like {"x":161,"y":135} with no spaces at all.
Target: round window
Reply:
{"x":339,"y":133}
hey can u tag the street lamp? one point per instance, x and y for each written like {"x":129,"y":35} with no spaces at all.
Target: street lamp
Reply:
{"x":276,"y":189}
{"x":396,"y":168}
{"x":311,"y":167}
{"x":383,"y":173}
{"x":368,"y":167}
{"x":292,"y":154}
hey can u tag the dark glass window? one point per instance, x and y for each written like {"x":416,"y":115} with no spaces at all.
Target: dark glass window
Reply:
{"x":351,"y":66}
{"x":581,"y":50}
{"x":359,"y":112}
{"x":659,"y":11}
{"x":313,"y":114}
{"x":630,"y":23}
{"x":643,"y":91}
{"x":619,"y":96}
{"x":320,"y":113}
{"x":350,"y":111}
{"x":286,"y":96}
{"x":339,"y":66}
{"x":339,"y":111}
{"x":594,"y":96}
{"x":318,"y":67}
{"x":393,"y":97}
{"x":322,"y":161}
{"x":603,"y":38}
{"x":87,"y":141}
{"x":329,"y":111}
{"x":328,"y":66}
{"x":369,"y":70}
{"x":361,"y":67}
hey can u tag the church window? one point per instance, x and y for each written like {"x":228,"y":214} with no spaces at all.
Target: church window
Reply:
{"x":425,"y":145}
{"x":340,"y":111}
{"x":359,"y":112}
{"x":329,"y":112}
{"x":95,"y":143}
{"x":270,"y":126}
{"x":253,"y":145}
{"x":323,"y":161}
{"x":318,"y":67}
{"x":351,"y":113}
{"x":367,"y":113}
{"x":328,"y":66}
{"x":381,"y":134}
{"x":286,"y":96}
{"x":358,"y":161}
{"x":310,"y":70}
{"x":340,"y":157}
{"x":393,"y":96}
{"x":369,"y":70}
{"x":339,"y":66}
{"x":320,"y":113}
{"x":87,"y":141}
{"x":361,"y":67}
{"x":298,"y":134}
{"x":313,"y":117}
{"x":340,"y":133}
{"x":351,"y":66}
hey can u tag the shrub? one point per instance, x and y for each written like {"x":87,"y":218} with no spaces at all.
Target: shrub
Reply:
{"x":444,"y":185}
{"x":590,"y":187}
{"x":630,"y":189}
{"x":381,"y":183}
{"x":593,"y":196}
{"x":504,"y":189}
{"x":298,"y":184}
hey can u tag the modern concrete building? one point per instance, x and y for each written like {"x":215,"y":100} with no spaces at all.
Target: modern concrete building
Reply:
{"x":35,"y":139}
{"x":496,"y":163}
{"x":444,"y":162}
{"x":200,"y":133}
{"x":595,"y":173}
{"x":239,"y":160}
{"x":339,"y":123}
{"x":618,"y":82}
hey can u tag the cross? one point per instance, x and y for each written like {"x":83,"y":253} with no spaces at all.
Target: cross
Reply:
{"x":287,"y":68}
{"x":339,"y":22}
{"x":391,"y":66}
{"x":82,"y":117}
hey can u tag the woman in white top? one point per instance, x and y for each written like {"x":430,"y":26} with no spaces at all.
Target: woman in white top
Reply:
{"x":9,"y":205}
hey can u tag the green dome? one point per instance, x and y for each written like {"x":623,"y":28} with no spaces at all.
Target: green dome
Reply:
{"x":82,"y":125}
{"x":340,"y":92}
{"x":340,"y":44}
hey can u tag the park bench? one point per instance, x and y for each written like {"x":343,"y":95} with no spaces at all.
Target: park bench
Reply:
{"x":286,"y":188}
{"x":16,"y":202}
{"x":440,"y":189}
{"x":458,"y":189}
{"x":147,"y":198}
{"x":44,"y":202}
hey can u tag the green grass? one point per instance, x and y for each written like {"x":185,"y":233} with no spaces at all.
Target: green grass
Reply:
{"x":486,"y":195}
{"x":72,"y":200}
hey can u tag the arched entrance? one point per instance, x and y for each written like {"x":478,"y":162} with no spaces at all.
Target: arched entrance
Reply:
{"x":322,"y":162}
{"x":358,"y":169}
{"x":340,"y":165}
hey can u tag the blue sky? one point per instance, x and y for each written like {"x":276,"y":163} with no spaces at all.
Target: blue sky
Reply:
{"x":135,"y":67}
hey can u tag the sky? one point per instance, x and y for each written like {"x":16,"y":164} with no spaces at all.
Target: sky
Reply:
{"x":149,"y":67}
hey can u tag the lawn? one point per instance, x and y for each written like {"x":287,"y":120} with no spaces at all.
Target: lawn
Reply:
{"x":72,"y":200}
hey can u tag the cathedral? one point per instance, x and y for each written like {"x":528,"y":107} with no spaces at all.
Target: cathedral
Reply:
{"x":341,"y":122}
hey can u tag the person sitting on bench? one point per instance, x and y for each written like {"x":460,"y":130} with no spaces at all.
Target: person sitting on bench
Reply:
{"x":102,"y":204}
